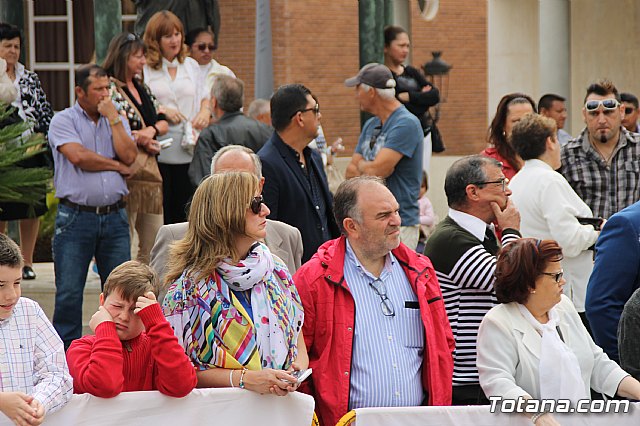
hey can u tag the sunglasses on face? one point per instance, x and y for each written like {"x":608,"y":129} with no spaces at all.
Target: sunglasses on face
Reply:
{"x":256,"y":204}
{"x":204,"y":46}
{"x":629,"y":110}
{"x":557,"y":276}
{"x":607,"y":105}
{"x":315,"y":109}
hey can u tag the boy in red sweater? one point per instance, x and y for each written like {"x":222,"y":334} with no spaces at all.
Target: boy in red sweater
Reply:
{"x":134,"y":347}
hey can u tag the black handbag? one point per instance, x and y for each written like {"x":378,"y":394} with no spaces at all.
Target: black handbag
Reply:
{"x":437,"y":144}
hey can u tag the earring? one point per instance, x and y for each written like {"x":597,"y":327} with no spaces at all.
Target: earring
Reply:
{"x":533,"y":291}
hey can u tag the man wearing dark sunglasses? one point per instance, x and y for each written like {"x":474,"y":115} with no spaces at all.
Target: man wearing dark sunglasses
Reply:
{"x":631,"y":112}
{"x":602,"y":163}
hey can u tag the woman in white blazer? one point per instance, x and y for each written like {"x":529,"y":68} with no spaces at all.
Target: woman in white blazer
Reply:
{"x":534,"y":345}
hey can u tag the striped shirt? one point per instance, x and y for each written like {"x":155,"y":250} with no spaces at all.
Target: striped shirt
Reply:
{"x":32,"y":357}
{"x":465,"y":263}
{"x":386,"y":361}
{"x":606,"y":188}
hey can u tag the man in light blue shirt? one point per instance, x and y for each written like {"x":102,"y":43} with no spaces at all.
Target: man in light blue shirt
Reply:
{"x":92,"y":150}
{"x":375,"y":327}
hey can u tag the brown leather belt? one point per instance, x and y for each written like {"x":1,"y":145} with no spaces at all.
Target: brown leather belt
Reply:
{"x":94,"y":209}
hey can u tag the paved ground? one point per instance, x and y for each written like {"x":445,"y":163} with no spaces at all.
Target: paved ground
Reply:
{"x":43,"y":290}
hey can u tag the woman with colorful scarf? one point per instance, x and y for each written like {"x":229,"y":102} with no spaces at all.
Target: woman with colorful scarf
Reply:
{"x":233,"y":304}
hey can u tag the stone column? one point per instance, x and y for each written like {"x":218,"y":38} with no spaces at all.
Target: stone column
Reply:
{"x":107,"y":15}
{"x":264,"y":55}
{"x":555,"y":49}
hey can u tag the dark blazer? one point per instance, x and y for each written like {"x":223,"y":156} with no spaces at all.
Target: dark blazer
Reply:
{"x":233,"y":128}
{"x":287,"y":193}
{"x":615,"y":276}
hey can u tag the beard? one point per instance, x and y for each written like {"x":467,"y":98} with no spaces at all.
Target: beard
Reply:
{"x":603,"y":138}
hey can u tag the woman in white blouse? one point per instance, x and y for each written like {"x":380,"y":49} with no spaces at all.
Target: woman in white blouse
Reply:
{"x":173,"y":79}
{"x":534,"y":345}
{"x":549,"y":207}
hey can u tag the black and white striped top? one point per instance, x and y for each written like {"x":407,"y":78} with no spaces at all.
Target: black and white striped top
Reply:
{"x":465,"y":266}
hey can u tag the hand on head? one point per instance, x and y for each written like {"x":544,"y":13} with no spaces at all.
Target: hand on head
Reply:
{"x":143,"y":301}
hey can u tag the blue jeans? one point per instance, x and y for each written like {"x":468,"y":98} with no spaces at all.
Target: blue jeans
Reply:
{"x":78,"y":237}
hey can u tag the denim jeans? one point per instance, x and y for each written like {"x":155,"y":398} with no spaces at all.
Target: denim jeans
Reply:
{"x":78,"y":237}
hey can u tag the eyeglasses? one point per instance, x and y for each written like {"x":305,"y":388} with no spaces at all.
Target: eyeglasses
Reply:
{"x":204,"y":46}
{"x":557,"y":276}
{"x":607,"y":105}
{"x":629,"y":110}
{"x":503,"y":181}
{"x":385,"y":303}
{"x":374,"y":136}
{"x":315,"y":109}
{"x":256,"y":204}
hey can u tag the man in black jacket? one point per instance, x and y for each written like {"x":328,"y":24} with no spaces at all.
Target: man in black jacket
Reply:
{"x":231,"y":128}
{"x":296,"y":189}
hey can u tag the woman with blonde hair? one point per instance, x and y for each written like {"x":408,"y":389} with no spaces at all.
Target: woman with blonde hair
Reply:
{"x":173,"y":79}
{"x":233,"y":304}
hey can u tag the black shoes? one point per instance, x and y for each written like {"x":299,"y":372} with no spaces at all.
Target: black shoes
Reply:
{"x":27,"y":273}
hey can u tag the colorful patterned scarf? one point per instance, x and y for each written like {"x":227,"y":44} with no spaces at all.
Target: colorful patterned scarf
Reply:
{"x":215,"y":329}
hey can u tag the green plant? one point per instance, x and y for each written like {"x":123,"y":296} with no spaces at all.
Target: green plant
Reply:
{"x":18,"y":184}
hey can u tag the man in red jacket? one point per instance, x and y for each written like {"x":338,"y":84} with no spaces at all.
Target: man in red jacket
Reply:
{"x":396,"y":348}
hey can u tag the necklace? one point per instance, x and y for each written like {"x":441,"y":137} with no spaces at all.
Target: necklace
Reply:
{"x":606,"y":158}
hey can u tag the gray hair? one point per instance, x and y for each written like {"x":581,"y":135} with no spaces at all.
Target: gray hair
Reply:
{"x":345,"y":200}
{"x":254,"y":157}
{"x":386,"y":94}
{"x":229,"y":92}
{"x":466,"y":171}
{"x":257,"y":107}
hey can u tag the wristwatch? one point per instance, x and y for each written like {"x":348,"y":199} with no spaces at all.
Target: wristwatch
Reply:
{"x":115,"y":121}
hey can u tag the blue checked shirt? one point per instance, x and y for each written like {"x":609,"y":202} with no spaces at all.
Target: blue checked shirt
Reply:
{"x":386,"y":362}
{"x":32,"y":358}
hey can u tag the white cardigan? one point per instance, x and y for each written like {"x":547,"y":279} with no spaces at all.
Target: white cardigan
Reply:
{"x":509,"y":353}
{"x":548,"y":209}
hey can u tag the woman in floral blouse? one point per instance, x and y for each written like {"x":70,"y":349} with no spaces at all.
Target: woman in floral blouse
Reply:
{"x":33,"y":107}
{"x":124,"y":63}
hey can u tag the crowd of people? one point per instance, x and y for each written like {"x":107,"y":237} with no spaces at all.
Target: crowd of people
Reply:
{"x":250,"y":270}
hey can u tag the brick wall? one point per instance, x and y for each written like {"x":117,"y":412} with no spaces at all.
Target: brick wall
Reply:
{"x":460,"y":32}
{"x":315,"y":42}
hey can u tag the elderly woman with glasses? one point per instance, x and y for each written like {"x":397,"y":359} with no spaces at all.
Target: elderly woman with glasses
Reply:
{"x":549,"y":207}
{"x":232,"y":304}
{"x":511,"y":109}
{"x":124,"y":64}
{"x":201,"y":47}
{"x":534,"y":345}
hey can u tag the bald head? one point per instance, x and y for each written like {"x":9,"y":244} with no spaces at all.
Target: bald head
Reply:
{"x":236,"y":158}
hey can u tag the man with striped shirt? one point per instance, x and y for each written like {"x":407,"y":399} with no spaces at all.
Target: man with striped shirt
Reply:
{"x":463,"y":250}
{"x":374,"y":325}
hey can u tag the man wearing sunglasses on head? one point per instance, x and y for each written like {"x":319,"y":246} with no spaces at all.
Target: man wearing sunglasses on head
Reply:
{"x":601,"y":164}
